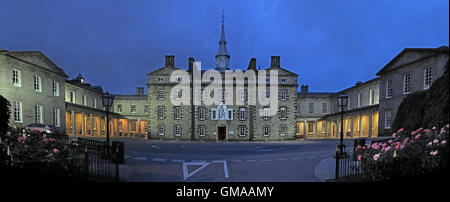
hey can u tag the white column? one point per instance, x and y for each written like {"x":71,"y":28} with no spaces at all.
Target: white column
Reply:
{"x":92,"y":124}
{"x":83,"y":124}
{"x":315,"y":129}
{"x":128,"y":126}
{"x":139,"y":127}
{"x":73,"y":123}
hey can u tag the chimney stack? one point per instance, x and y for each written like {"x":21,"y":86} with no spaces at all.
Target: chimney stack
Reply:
{"x":304,"y":88}
{"x":139,"y":91}
{"x":252,"y":64}
{"x":191,"y":64}
{"x":275,"y":61}
{"x":170,"y":61}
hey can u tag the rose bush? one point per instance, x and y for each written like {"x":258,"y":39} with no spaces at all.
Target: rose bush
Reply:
{"x":41,"y":153}
{"x":420,"y":150}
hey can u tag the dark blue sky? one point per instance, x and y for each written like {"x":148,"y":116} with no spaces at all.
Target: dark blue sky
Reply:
{"x":330,"y":44}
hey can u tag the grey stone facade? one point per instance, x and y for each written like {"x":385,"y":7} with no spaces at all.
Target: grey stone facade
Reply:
{"x":27,"y":80}
{"x":413,"y":62}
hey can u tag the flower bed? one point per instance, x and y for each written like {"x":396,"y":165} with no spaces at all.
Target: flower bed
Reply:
{"x":41,"y":153}
{"x":407,"y":153}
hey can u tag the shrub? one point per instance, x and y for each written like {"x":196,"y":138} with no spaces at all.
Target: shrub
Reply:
{"x":427,"y":108}
{"x":417,"y":151}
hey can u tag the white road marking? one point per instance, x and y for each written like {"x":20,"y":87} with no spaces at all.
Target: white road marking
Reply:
{"x":158,"y":159}
{"x":281,"y":159}
{"x":225,"y":167}
{"x":251,"y":160}
{"x":178,"y":160}
{"x":266,"y":160}
{"x":140,"y":158}
{"x":186,"y":175}
{"x":298,"y":158}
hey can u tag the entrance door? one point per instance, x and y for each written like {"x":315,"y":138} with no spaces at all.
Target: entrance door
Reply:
{"x":222,"y":135}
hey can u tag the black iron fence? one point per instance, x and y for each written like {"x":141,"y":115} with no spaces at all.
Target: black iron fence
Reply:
{"x":365,"y":170}
{"x":85,"y":159}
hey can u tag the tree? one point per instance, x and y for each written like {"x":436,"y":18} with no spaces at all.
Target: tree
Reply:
{"x":429,"y":108}
{"x":4,"y":114}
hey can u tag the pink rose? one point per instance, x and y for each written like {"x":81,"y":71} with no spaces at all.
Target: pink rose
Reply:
{"x":359,"y":157}
{"x":397,"y":147}
{"x":427,"y":131}
{"x":442,"y":130}
{"x":376,"y":156}
{"x":387,"y":148}
{"x":443,"y":142}
{"x":435,"y":141}
{"x":390,"y":141}
{"x":375,"y":146}
{"x":417,"y":136}
{"x":400,"y":130}
{"x":433,"y":153}
{"x":429,"y":144}
{"x":394,"y":135}
{"x":55,"y":150}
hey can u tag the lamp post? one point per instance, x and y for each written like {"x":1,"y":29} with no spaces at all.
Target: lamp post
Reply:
{"x":107,"y":100}
{"x":342,"y":100}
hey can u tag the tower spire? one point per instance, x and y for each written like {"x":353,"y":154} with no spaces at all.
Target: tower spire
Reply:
{"x":222,"y":56}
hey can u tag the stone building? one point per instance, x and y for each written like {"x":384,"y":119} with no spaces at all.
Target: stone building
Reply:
{"x":225,"y":121}
{"x":34,"y":86}
{"x":134,"y":108}
{"x":412,"y":70}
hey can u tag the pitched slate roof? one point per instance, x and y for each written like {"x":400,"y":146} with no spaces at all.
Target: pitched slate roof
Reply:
{"x":37,"y":58}
{"x":415,"y":54}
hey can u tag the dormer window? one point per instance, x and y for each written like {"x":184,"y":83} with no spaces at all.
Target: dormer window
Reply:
{"x":283,"y":80}
{"x":160,"y":79}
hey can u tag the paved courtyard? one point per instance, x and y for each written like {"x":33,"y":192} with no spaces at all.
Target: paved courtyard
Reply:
{"x":186,"y":161}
